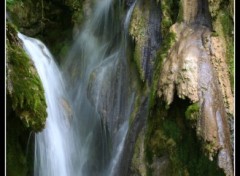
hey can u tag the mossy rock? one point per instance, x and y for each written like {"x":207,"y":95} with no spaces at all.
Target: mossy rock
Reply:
{"x":138,"y":31}
{"x":170,"y":133}
{"x":192,"y":112}
{"x":24,"y":86}
{"x":47,"y":20}
{"x":223,"y":26}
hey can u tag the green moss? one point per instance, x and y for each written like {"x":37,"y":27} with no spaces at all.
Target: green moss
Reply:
{"x":227,"y":27}
{"x":209,"y":149}
{"x":223,"y":26}
{"x":139,"y":24}
{"x":27,"y":92}
{"x":170,"y":11}
{"x":10,"y":2}
{"x":180,"y":12}
{"x":138,"y":165}
{"x":137,"y":106}
{"x":137,"y":84}
{"x":192,"y":112}
{"x":77,"y":10}
{"x":167,"y":43}
{"x":169,"y":132}
{"x":138,"y":59}
{"x":138,"y":30}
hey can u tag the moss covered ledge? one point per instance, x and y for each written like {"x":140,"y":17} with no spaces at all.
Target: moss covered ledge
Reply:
{"x":24,"y":86}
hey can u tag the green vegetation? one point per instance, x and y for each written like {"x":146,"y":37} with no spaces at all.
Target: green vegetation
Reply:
{"x":227,"y":27}
{"x":138,"y":165}
{"x":11,"y":2}
{"x":170,"y":133}
{"x":171,"y":130}
{"x":192,"y":112}
{"x":138,"y":30}
{"x":167,"y":43}
{"x":180,"y":11}
{"x":136,"y":83}
{"x":26,"y":106}
{"x":76,"y":7}
{"x":51,"y":22}
{"x":25,"y":87}
{"x":223,"y":26}
{"x":170,"y":14}
{"x":137,"y":106}
{"x":169,"y":11}
{"x":138,"y":59}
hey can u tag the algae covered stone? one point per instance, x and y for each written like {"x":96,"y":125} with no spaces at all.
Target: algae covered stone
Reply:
{"x":24,"y":87}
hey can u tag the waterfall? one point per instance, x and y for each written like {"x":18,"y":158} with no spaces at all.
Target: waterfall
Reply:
{"x":52,"y":145}
{"x":89,"y":101}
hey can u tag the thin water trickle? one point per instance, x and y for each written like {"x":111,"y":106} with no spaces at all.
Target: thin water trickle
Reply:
{"x":29,"y":138}
{"x":89,"y":101}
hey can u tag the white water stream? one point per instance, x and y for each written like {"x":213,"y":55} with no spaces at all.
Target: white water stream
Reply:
{"x":89,"y":102}
{"x":52,"y":145}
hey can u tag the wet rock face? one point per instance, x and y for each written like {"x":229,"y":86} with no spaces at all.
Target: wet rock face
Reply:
{"x":133,"y":142}
{"x":217,"y":51}
{"x":109,"y":94}
{"x":153,"y":41}
{"x":138,"y":166}
{"x":129,"y":2}
{"x":189,"y":71}
{"x":145,"y":31}
{"x":161,"y":166}
{"x":196,"y":11}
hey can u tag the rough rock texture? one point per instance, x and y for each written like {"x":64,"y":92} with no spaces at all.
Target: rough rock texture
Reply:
{"x":138,"y":165}
{"x":160,"y":166}
{"x":218,"y":59}
{"x":190,"y":14}
{"x":50,"y":21}
{"x":22,"y":15}
{"x":182,"y":73}
{"x":196,"y":12}
{"x":145,"y":30}
{"x":223,"y":26}
{"x":139,"y":123}
{"x":214,"y":6}
{"x":189,"y":72}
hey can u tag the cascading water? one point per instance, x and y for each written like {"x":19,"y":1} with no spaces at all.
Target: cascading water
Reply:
{"x":52,"y":149}
{"x":88,"y":113}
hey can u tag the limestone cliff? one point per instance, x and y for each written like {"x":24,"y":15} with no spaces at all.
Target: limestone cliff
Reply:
{"x":195,"y":66}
